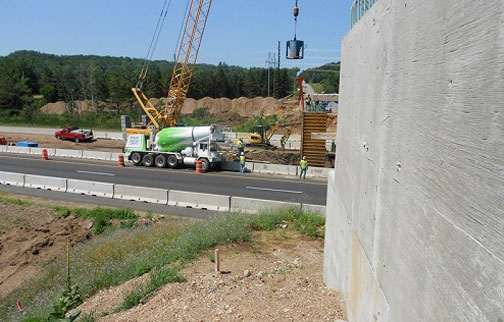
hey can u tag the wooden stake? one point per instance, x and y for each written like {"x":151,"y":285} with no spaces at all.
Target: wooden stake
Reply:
{"x":217,"y":261}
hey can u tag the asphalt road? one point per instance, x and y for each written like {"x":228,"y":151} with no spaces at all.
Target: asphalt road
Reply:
{"x":222,"y":183}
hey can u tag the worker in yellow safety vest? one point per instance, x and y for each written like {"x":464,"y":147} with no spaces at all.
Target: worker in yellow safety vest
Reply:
{"x":242,"y":162}
{"x":241,"y":146}
{"x":304,"y":167}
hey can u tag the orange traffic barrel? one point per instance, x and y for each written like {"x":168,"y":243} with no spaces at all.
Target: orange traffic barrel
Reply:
{"x":45,"y":156}
{"x":120,"y":160}
{"x":199,"y":166}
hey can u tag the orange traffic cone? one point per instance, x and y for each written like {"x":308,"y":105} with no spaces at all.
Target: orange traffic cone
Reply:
{"x":121,"y":161}
{"x":45,"y":156}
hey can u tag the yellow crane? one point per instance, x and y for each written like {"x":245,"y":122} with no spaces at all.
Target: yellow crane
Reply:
{"x":190,"y":41}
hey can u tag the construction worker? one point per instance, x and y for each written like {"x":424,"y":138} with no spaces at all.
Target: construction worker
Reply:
{"x":241,"y":146}
{"x":242,"y":162}
{"x":304,"y":167}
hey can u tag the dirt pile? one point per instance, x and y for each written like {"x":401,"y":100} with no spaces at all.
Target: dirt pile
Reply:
{"x":245,"y":107}
{"x":60,"y":107}
{"x":278,"y":277}
{"x":332,"y":122}
{"x":29,"y":241}
{"x":274,"y":157}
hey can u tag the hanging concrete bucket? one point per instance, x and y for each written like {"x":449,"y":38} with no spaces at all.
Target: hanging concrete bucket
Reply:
{"x":295,"y":49}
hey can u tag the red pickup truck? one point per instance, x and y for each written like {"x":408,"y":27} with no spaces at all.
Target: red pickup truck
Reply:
{"x":74,"y":134}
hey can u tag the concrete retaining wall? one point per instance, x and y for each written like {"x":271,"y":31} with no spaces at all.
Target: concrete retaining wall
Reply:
{"x":143,"y":194}
{"x":415,"y":206}
{"x":46,"y":183}
{"x":91,"y":188}
{"x":199,"y":200}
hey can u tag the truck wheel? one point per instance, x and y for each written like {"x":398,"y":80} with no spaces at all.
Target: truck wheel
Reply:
{"x":76,"y":140}
{"x":160,"y":161}
{"x":148,"y":160}
{"x":57,"y":137}
{"x":136,"y":158}
{"x":206,"y":165}
{"x":172,"y":161}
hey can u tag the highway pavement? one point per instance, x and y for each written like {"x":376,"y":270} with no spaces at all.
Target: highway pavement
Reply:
{"x":270,"y":187}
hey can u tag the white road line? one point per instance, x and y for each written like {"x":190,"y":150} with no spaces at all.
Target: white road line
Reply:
{"x":96,"y":173}
{"x":274,"y":190}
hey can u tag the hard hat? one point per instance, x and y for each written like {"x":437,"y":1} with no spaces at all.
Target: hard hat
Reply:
{"x":243,"y":153}
{"x":304,"y":157}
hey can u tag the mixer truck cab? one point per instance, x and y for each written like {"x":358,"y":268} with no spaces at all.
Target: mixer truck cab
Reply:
{"x":175,"y":147}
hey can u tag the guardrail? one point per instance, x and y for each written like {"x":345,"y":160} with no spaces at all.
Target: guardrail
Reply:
{"x":150,"y":195}
{"x":264,"y":168}
{"x":359,"y":9}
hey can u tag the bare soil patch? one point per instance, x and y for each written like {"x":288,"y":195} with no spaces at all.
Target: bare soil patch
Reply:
{"x":278,"y":277}
{"x":31,"y":237}
{"x":49,"y":141}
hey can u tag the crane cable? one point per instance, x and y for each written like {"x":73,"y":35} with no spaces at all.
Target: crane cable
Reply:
{"x":153,"y":43}
{"x":296,"y":14}
{"x":177,"y":44}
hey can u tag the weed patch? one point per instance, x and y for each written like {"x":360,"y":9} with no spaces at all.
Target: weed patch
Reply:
{"x":5,"y":199}
{"x":102,"y":217}
{"x":162,"y":249}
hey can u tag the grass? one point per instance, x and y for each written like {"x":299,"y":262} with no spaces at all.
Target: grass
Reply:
{"x":88,"y":318}
{"x":161,"y":249}
{"x":102,"y":217}
{"x":267,"y":121}
{"x":200,"y":116}
{"x":5,"y":199}
{"x":157,"y":280}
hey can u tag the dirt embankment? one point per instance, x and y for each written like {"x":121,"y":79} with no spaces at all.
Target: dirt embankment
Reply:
{"x":60,"y":107}
{"x":30,"y":237}
{"x":229,"y":112}
{"x":278,"y":277}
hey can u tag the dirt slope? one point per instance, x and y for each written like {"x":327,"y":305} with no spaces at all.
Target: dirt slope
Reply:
{"x":276,"y":278}
{"x":30,"y":237}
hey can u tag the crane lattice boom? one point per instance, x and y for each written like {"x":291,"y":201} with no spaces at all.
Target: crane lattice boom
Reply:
{"x":190,"y":42}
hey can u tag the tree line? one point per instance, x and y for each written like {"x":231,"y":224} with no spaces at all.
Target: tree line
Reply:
{"x":26,"y":74}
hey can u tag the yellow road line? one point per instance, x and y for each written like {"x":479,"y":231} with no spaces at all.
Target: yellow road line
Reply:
{"x":248,"y":177}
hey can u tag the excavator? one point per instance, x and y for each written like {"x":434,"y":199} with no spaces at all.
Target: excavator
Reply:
{"x":261,"y":135}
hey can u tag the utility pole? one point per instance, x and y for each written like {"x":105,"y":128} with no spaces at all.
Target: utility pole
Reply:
{"x":271,"y":62}
{"x":277,"y":81}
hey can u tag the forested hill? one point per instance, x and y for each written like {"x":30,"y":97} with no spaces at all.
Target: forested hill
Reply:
{"x":24,"y":74}
{"x":324,"y":78}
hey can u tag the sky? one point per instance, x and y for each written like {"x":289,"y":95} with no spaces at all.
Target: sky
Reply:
{"x":239,"y":32}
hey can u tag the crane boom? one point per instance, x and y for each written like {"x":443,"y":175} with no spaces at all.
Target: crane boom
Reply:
{"x":189,"y":46}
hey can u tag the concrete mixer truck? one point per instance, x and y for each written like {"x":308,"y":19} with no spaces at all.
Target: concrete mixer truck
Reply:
{"x":175,"y":147}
